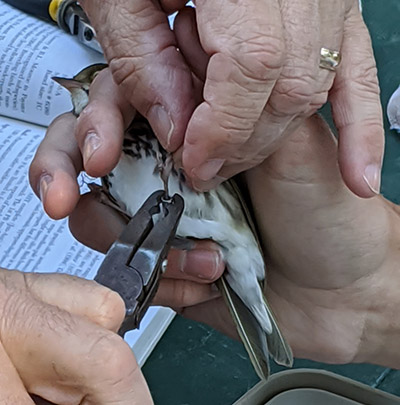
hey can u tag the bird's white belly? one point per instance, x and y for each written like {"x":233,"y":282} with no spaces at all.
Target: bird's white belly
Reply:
{"x":133,"y":180}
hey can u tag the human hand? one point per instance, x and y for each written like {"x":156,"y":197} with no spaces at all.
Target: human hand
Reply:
{"x":60,"y":156}
{"x":57,"y":335}
{"x":53,"y":174}
{"x":332,"y":256}
{"x":260,"y":79}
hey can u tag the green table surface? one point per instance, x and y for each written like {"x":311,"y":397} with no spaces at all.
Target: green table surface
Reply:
{"x":195,"y":365}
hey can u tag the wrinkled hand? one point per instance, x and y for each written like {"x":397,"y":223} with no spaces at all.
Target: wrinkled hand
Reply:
{"x":331,"y":253}
{"x":187,"y":281}
{"x":333,"y":257}
{"x":81,"y":344}
{"x":259,"y":62}
{"x":57,"y":333}
{"x":53,"y":177}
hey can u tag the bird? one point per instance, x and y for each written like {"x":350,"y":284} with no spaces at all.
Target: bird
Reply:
{"x":220,"y":215}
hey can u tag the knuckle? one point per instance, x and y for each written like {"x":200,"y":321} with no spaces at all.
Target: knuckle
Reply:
{"x":124,"y":69}
{"x":292,"y":95}
{"x":183,"y":294}
{"x":112,"y":350}
{"x":364,"y":81}
{"x":358,"y":77}
{"x":258,"y":58}
{"x":234,"y":130}
{"x":180,"y":294}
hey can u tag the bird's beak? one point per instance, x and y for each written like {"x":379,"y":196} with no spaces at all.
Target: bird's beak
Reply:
{"x":69,"y":84}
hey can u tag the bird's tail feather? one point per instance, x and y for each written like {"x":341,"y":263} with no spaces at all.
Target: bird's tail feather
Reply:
{"x":278,"y":348}
{"x":252,"y":335}
{"x":258,"y":344}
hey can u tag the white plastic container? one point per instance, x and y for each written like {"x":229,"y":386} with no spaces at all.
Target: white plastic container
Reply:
{"x":314,"y":387}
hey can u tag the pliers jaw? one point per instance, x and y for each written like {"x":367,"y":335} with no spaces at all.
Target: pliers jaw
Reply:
{"x":72,"y":19}
{"x":133,"y":265}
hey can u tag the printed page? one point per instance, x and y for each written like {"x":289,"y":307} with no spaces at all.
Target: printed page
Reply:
{"x":30,"y":241}
{"x":31,"y":52}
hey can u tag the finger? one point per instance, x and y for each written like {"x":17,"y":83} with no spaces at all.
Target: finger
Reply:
{"x":12,"y":390}
{"x":241,"y":74}
{"x":299,"y":190}
{"x":78,"y":296}
{"x":189,"y":44}
{"x":256,"y":149}
{"x":95,"y":224}
{"x":186,"y":280}
{"x":53,"y":171}
{"x":98,"y":226}
{"x":142,"y":54}
{"x":357,"y":110}
{"x":183,"y":293}
{"x":203,"y":263}
{"x":301,"y":89}
{"x":66,"y":353}
{"x":100,"y":128}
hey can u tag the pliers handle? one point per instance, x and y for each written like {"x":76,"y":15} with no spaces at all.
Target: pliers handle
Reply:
{"x":134,"y":264}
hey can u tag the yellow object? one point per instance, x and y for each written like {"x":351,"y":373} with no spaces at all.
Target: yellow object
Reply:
{"x":53,"y":8}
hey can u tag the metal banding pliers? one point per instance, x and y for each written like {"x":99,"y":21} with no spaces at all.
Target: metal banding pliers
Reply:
{"x":134,"y":264}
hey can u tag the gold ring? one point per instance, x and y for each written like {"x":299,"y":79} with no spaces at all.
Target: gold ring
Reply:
{"x":329,"y":59}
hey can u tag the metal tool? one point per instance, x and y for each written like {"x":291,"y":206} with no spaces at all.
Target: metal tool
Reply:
{"x":68,"y":14}
{"x":134,"y":264}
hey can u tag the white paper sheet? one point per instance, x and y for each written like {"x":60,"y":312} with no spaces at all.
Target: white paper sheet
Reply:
{"x":31,"y":52}
{"x":30,"y":241}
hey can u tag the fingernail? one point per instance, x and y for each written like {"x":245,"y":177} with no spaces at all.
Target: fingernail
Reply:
{"x":209,"y":169}
{"x":92,"y":143}
{"x":372,"y":177}
{"x":202,"y":264}
{"x":44,"y":182}
{"x":161,"y":123}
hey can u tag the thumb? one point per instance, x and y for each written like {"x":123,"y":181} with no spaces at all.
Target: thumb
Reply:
{"x":78,"y":296}
{"x":142,"y":53}
{"x":357,"y":110}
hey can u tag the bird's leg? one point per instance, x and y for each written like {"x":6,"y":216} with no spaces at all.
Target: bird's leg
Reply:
{"x":164,"y":167}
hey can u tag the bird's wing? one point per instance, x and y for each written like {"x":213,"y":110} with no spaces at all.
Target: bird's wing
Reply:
{"x":253,"y":337}
{"x":249,"y":329}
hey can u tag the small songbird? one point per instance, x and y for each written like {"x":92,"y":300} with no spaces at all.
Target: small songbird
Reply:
{"x":219,"y":215}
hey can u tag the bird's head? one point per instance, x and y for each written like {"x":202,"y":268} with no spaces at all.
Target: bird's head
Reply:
{"x":79,"y":85}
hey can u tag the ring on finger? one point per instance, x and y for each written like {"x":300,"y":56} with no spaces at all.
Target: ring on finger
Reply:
{"x":329,"y":59}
